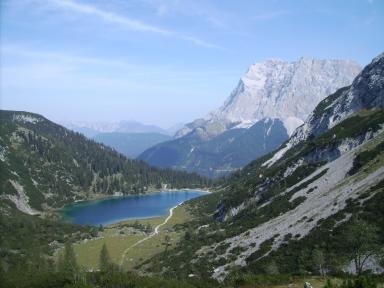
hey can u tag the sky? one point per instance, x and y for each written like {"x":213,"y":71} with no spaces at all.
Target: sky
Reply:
{"x":164,"y":61}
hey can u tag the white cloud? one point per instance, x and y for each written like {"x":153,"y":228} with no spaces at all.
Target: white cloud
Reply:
{"x":199,"y":42}
{"x":195,"y":8}
{"x":126,"y":22}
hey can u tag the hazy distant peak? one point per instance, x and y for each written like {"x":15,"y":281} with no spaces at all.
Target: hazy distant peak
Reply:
{"x":90,"y":129}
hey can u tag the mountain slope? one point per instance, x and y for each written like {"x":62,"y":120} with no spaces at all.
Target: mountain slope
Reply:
{"x":219,"y":155}
{"x":282,"y":207}
{"x":272,"y":90}
{"x":130,"y":144}
{"x":46,"y":165}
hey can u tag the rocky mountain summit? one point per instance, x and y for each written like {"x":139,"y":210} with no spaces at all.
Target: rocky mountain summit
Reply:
{"x":288,"y":91}
{"x":273,"y":91}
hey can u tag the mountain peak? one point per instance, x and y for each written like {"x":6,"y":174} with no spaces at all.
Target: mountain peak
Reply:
{"x":279,"y":89}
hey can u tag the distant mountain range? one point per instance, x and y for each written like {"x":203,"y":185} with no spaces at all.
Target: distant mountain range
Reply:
{"x":90,"y":129}
{"x":130,"y":138}
{"x":271,"y":100}
{"x":130,"y":144}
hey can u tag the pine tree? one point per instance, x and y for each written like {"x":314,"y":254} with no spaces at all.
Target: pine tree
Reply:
{"x":69,"y":265}
{"x":272,"y":269}
{"x":60,"y":263}
{"x":2,"y":276}
{"x":318,"y":260}
{"x":167,"y":242}
{"x":104,"y":261}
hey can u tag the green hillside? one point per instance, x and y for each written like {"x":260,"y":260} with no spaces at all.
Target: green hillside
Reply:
{"x":45,"y":165}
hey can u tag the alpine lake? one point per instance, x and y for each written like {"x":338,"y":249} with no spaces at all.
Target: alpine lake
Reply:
{"x":117,"y":209}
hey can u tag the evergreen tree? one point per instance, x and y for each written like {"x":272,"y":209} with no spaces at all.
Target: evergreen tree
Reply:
{"x":104,"y":261}
{"x":60,"y":263}
{"x":167,"y":242}
{"x":2,"y":276}
{"x":300,"y":263}
{"x":318,"y":260}
{"x":272,"y":269}
{"x":69,"y":265}
{"x":148,"y":228}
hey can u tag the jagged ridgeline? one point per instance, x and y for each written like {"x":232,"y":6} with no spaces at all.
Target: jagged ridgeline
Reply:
{"x":283,"y":210}
{"x":46,"y":165}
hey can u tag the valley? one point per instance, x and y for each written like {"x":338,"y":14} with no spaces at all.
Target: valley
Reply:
{"x":280,"y":186}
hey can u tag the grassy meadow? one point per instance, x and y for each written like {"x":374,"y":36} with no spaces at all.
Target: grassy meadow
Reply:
{"x":121,"y":236}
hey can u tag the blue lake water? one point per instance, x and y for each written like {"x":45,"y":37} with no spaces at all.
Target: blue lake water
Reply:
{"x":117,"y":209}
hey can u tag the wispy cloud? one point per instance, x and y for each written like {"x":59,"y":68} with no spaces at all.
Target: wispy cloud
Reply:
{"x":271,"y":15}
{"x":199,"y":42}
{"x":126,"y":22}
{"x":198,"y":9}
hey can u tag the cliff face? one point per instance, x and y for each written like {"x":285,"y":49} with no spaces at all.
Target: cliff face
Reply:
{"x":288,"y":91}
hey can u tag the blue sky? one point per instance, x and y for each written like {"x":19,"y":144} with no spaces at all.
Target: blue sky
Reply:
{"x":164,"y":61}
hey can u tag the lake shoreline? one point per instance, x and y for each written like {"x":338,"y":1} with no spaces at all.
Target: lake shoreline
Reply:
{"x":99,"y":196}
{"x":87,"y":212}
